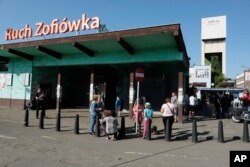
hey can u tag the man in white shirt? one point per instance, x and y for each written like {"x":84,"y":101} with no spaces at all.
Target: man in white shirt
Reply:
{"x":192,"y":106}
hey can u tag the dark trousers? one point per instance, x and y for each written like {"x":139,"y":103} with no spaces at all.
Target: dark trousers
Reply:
{"x":171,"y":121}
{"x":186,"y":109}
{"x":218,"y":112}
{"x":40,"y":106}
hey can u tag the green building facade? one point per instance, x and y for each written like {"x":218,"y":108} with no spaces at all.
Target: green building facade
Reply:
{"x":96,"y":63}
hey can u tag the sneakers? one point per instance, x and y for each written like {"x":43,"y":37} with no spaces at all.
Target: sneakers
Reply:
{"x":91,"y":133}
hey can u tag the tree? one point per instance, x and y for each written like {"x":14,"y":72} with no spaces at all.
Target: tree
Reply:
{"x":103,"y":28}
{"x":217,"y":75}
{"x":217,"y":78}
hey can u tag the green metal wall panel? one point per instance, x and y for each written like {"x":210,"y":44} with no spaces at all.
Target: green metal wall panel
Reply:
{"x":18,"y":90}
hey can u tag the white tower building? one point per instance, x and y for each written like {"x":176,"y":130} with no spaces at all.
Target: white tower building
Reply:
{"x":213,"y":41}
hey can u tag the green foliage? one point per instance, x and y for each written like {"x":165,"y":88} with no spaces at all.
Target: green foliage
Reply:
{"x":217,"y":78}
{"x":217,"y":75}
{"x":103,"y":28}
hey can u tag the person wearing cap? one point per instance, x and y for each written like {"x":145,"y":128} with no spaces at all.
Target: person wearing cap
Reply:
{"x":148,"y":114}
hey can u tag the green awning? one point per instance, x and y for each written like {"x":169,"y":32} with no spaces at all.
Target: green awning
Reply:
{"x":160,"y":44}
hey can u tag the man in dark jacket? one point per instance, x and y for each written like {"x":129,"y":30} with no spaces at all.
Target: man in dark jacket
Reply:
{"x":40,"y":100}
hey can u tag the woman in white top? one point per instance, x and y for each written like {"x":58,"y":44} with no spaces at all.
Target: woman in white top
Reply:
{"x":167,"y":110}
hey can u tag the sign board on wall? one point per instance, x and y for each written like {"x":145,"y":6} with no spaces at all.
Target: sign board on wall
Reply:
{"x":200,"y":76}
{"x":55,"y":27}
{"x":213,"y":28}
{"x":5,"y":80}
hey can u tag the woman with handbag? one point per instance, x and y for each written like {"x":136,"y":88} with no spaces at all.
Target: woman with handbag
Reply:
{"x":167,"y":110}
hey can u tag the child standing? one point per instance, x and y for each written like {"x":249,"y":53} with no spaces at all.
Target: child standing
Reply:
{"x":111,"y":126}
{"x":148,"y":114}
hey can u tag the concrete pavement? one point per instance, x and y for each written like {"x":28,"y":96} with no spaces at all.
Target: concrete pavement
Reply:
{"x":31,"y":146}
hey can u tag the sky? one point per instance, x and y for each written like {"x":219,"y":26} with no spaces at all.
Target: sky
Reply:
{"x":128,"y":14}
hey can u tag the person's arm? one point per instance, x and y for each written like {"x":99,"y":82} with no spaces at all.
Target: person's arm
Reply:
{"x":144,"y":114}
{"x":42,"y":95}
{"x":141,"y":108}
{"x":97,"y":108}
{"x":135,"y":108}
{"x":162,"y":109}
{"x":218,"y":100}
{"x":151,"y":114}
{"x":173,"y":109}
{"x":38,"y":97}
{"x":103,"y":121}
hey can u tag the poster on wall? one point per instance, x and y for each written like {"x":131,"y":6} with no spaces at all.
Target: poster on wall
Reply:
{"x":9,"y":78}
{"x":26,"y":79}
{"x":2,"y":80}
{"x":5,"y":80}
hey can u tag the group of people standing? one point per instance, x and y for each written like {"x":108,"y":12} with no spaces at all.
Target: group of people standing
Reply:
{"x":142,"y":111}
{"x":107,"y":118}
{"x":142,"y":114}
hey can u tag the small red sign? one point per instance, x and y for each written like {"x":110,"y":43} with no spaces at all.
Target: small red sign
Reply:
{"x":139,"y":74}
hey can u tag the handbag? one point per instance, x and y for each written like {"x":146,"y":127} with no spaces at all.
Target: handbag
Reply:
{"x":170,"y":109}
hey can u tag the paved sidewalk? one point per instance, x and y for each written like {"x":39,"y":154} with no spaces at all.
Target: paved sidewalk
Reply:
{"x":30,"y":146}
{"x":207,"y":128}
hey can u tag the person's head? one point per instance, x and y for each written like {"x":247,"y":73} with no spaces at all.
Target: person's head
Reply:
{"x":147,"y":105}
{"x":95,"y":97}
{"x":173,"y":93}
{"x":117,"y":98}
{"x":106,"y":113}
{"x":246,"y":91}
{"x":167,"y":100}
{"x":143,"y":99}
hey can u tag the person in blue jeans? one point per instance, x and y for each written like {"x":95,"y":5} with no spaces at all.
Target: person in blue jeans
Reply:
{"x":94,"y":111}
{"x":118,"y":104}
